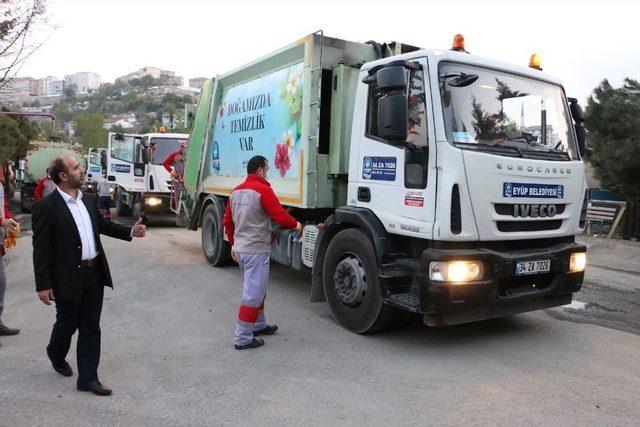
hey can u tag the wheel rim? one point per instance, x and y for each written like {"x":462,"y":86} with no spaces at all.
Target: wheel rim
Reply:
{"x":350,"y":281}
{"x":209,"y":230}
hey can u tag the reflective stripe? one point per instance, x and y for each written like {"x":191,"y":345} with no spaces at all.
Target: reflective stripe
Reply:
{"x":249,"y":314}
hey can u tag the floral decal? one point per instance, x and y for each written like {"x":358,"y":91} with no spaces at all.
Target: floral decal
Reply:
{"x":282,"y":162}
{"x":291,"y":93}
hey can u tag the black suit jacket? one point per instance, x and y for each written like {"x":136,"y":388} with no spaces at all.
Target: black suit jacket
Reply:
{"x":57,"y":248}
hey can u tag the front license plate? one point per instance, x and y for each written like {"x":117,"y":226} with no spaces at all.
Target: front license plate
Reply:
{"x":533,"y":267}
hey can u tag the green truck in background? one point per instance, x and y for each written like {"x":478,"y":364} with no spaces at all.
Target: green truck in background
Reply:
{"x":34,"y":167}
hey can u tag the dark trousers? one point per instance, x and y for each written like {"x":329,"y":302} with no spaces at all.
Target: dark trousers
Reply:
{"x":83,"y":315}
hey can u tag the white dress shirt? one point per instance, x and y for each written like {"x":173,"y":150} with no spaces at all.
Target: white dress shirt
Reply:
{"x":83,"y":222}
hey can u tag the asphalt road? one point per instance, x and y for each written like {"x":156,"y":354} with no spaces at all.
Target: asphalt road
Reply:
{"x":168,"y":354}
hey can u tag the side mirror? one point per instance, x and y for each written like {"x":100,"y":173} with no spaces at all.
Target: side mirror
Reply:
{"x":392,"y":78}
{"x":103,"y":160}
{"x":146,"y":157}
{"x":578,"y":117}
{"x":393,"y":116}
{"x":138,"y":169}
{"x":581,"y":134}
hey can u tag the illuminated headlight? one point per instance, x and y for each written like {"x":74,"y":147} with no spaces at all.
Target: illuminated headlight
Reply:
{"x":577,"y":262}
{"x":456,"y":271}
{"x":153,"y":201}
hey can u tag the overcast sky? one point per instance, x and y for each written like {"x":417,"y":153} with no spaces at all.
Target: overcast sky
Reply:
{"x":581,"y":42}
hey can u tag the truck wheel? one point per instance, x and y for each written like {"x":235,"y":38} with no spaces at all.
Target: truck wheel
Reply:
{"x":121,"y":208}
{"x":350,"y":278}
{"x":136,"y":211}
{"x":216,"y":250}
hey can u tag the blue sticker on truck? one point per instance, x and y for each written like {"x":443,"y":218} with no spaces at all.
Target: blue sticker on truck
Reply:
{"x":120,"y":168}
{"x":533,"y":191}
{"x":379,"y":168}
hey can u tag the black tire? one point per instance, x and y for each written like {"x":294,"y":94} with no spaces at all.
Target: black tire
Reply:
{"x":121,"y":208}
{"x":136,"y":211}
{"x":216,"y":250}
{"x":370,"y":314}
{"x":23,"y":206}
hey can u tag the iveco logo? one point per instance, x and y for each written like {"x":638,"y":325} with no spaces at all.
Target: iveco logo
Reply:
{"x":534,"y":211}
{"x":546,"y":170}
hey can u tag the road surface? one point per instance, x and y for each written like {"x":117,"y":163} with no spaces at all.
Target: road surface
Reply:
{"x":168,"y":354}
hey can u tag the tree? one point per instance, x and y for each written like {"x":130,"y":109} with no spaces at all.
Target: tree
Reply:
{"x":15,"y":135}
{"x":90,"y":129}
{"x":18,"y":20}
{"x":613,"y":122}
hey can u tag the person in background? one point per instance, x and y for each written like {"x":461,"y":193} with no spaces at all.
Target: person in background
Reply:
{"x":174,"y":164}
{"x":6,"y":176}
{"x":247,"y":223}
{"x":45,"y":187}
{"x":7,"y":225}
{"x":104,"y":197}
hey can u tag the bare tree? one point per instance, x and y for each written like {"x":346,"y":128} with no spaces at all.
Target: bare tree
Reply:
{"x":19,"y":20}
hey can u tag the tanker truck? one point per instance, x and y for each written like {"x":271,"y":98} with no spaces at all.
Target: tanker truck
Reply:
{"x":37,"y":160}
{"x":431,"y":181}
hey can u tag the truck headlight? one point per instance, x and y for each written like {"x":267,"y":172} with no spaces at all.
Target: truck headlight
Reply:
{"x":153,"y":201}
{"x":577,"y":262}
{"x":456,"y":271}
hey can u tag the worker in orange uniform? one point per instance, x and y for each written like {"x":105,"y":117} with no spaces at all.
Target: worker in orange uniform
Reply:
{"x":174,"y":164}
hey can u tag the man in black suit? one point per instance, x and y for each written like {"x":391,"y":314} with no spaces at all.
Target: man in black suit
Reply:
{"x":71,"y":269}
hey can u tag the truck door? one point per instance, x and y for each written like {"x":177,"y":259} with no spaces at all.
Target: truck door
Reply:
{"x":94,"y":170}
{"x":396,"y":179}
{"x":125,"y":167}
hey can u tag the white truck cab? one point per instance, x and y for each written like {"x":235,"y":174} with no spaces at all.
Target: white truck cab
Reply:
{"x":135,"y":165}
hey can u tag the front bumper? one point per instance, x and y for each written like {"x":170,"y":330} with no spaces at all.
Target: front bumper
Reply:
{"x":501,"y":292}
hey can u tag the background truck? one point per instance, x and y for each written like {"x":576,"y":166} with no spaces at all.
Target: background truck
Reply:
{"x":35,"y":165}
{"x":95,"y":159}
{"x":449,"y":185}
{"x":134,"y":165}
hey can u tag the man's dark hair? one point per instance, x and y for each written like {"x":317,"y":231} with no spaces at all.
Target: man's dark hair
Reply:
{"x":255,"y":163}
{"x":56,"y":168}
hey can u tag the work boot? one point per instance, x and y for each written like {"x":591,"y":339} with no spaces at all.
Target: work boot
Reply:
{"x":4,"y":330}
{"x":255,"y":343}
{"x":267,"y":330}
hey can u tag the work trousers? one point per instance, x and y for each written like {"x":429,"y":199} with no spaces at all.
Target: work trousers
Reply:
{"x":255,"y":274}
{"x":83,"y":315}
{"x":103,"y":206}
{"x":3,"y":286}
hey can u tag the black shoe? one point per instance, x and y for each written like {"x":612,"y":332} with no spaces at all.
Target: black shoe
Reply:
{"x":96,"y":388}
{"x":267,"y":330}
{"x":255,"y":343}
{"x":63,"y":368}
{"x":6,"y":331}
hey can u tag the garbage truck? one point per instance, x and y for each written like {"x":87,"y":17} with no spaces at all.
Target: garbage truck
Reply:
{"x":134,"y":166}
{"x":431,"y":181}
{"x":36,"y":162}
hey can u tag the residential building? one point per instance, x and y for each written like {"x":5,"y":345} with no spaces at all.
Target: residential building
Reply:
{"x":21,"y":88}
{"x":197,"y":82}
{"x":51,"y":86}
{"x":85,"y":82}
{"x":167,"y":77}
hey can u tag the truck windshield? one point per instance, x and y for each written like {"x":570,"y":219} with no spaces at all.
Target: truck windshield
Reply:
{"x":94,"y":157}
{"x":163,"y":147}
{"x":507,"y":114}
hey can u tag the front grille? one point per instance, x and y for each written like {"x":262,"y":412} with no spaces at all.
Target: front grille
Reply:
{"x":507,"y":208}
{"x":520,"y":226}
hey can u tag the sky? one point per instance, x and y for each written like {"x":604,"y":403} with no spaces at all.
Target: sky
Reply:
{"x":580,"y":42}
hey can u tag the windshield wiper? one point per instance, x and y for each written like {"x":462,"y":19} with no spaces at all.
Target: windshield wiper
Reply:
{"x":493,"y":145}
